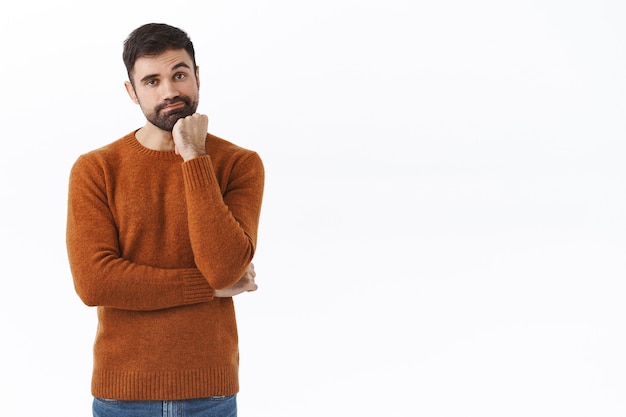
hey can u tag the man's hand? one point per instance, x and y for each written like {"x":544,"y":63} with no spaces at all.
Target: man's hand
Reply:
{"x":189,"y":134}
{"x":246,"y":283}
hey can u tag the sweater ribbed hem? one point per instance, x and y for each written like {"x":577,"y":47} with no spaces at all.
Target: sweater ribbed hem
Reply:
{"x":175,"y":385}
{"x":196,"y":289}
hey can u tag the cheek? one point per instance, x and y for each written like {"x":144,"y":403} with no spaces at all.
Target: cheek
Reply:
{"x":146,"y":101}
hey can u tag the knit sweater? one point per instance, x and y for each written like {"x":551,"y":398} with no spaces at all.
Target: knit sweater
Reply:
{"x":149,"y":238}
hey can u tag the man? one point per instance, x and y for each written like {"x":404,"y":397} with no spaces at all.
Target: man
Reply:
{"x":161,"y":231}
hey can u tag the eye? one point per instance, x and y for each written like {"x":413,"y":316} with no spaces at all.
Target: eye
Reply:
{"x":151,"y":82}
{"x":180,"y":76}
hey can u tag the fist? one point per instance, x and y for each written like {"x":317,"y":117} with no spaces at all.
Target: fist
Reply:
{"x":245,"y":284}
{"x":189,"y":135}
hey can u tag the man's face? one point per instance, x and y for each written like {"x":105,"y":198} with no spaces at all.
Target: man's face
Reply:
{"x":165,"y":87}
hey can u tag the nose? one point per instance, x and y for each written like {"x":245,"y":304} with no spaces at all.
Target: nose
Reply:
{"x":168,"y":90}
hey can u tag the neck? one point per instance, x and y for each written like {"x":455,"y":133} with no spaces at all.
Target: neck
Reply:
{"x":152,"y":137}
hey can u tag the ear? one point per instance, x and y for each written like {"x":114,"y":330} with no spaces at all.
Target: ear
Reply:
{"x":131,"y":91}
{"x":198,"y":76}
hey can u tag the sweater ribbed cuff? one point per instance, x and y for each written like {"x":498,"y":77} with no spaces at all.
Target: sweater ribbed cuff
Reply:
{"x":198,"y":172}
{"x":196,"y":289}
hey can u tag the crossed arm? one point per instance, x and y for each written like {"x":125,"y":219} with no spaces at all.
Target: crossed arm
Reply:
{"x":223,"y":243}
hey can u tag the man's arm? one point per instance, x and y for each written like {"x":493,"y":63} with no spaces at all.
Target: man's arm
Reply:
{"x":102,"y":277}
{"x":222,"y":224}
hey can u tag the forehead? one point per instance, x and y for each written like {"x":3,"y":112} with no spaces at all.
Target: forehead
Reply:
{"x":162,"y":64}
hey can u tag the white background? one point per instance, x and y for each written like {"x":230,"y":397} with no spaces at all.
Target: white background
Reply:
{"x":443,"y":225}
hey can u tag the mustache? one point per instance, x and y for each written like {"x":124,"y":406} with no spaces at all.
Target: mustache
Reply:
{"x":166,"y":103}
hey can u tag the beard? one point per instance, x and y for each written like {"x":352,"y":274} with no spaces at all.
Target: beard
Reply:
{"x":165,"y":120}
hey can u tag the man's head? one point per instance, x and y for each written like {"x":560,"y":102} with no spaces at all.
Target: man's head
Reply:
{"x":162,"y":71}
{"x":153,"y":39}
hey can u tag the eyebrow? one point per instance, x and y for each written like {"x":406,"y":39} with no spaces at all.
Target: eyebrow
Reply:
{"x":175,"y":67}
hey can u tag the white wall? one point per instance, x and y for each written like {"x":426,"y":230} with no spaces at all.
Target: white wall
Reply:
{"x":443,"y":225}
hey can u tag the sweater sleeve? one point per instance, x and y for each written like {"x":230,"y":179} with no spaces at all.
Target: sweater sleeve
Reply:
{"x":101,"y":276}
{"x":223,"y":225}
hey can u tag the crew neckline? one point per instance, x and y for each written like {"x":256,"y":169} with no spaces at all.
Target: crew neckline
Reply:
{"x":131,"y":140}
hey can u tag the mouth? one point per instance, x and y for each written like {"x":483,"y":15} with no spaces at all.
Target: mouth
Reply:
{"x":173,"y":106}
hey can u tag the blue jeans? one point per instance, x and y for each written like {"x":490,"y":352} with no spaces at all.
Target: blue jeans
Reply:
{"x":200,"y":407}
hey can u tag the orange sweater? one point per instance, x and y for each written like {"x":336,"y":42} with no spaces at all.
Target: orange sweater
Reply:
{"x":149,"y":237}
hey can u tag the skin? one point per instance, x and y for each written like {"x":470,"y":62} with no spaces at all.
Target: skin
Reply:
{"x":166,"y":88}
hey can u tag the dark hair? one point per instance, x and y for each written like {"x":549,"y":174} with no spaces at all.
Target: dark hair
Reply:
{"x":153,"y":39}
